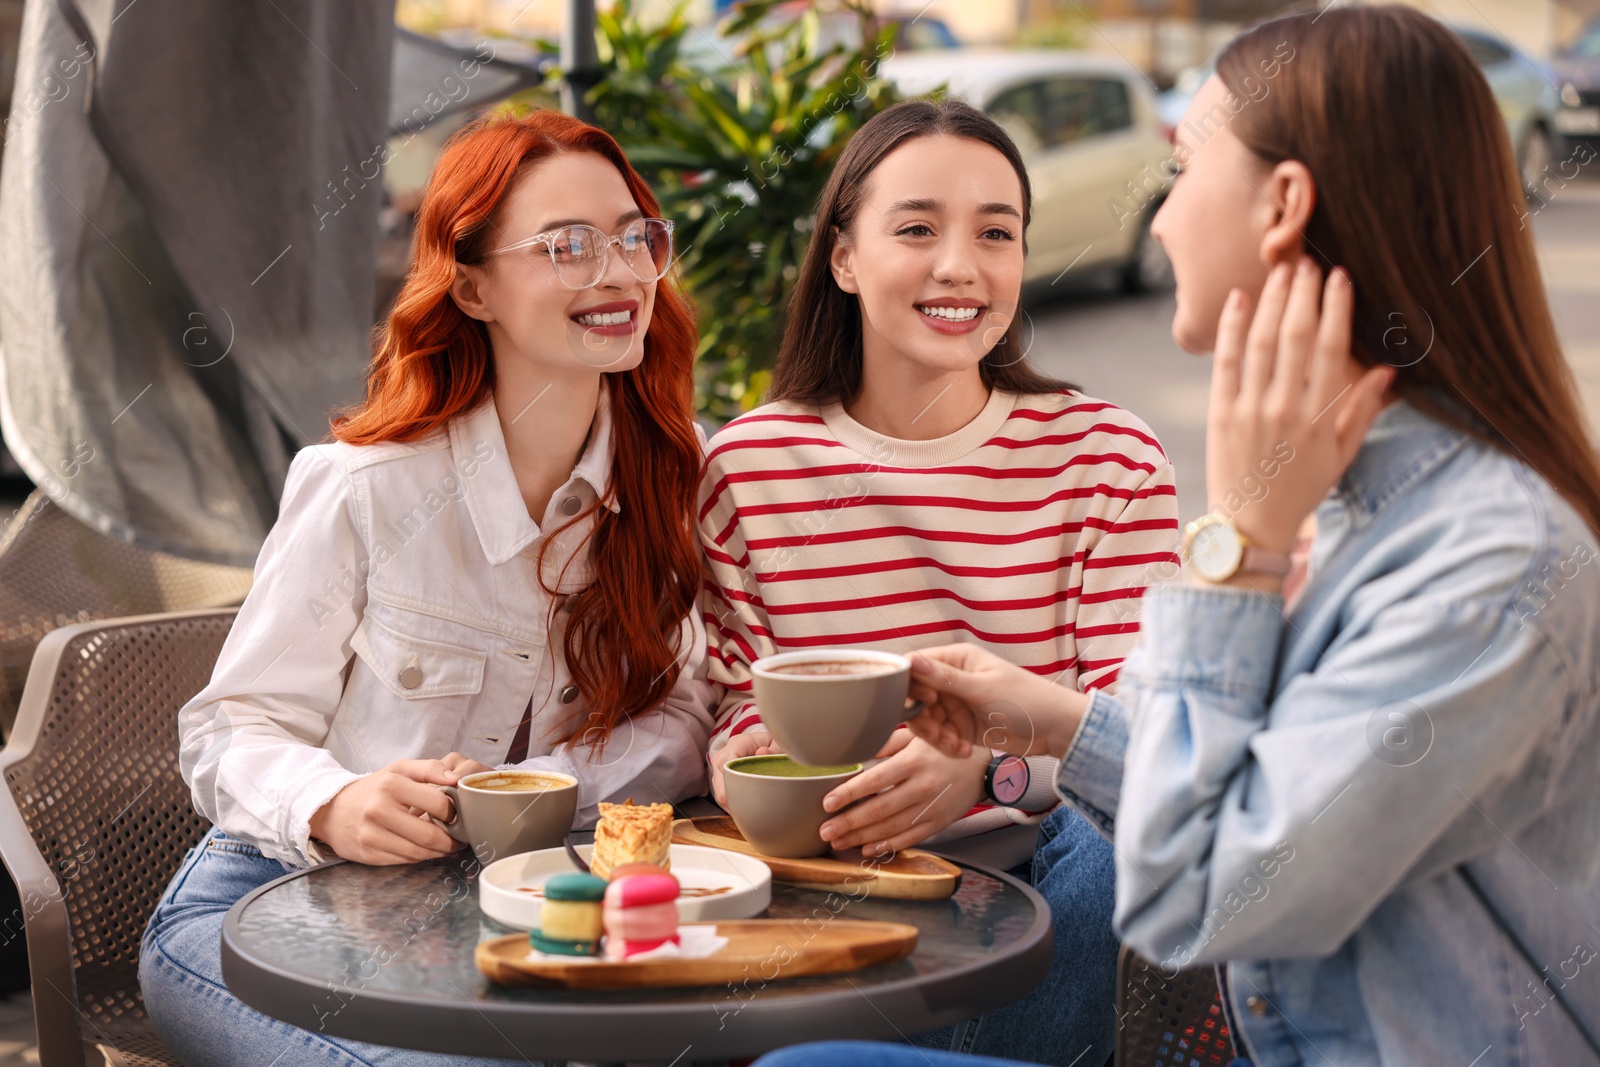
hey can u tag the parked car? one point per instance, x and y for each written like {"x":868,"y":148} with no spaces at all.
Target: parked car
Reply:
{"x":1577,"y":70}
{"x":1095,"y":148}
{"x":1525,"y":90}
{"x":914,"y":33}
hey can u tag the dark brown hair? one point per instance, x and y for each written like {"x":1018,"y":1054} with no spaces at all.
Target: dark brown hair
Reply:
{"x":1418,"y":198}
{"x":820,"y":358}
{"x":432,"y":363}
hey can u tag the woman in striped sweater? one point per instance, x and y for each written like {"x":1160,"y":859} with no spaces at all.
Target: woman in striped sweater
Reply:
{"x":915,"y":482}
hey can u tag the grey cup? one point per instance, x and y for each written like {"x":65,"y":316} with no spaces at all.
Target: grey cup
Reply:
{"x":833,"y":718}
{"x":780,"y":816}
{"x":504,"y":822}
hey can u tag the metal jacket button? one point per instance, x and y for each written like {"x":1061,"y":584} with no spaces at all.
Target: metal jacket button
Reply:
{"x":1255,"y":1006}
{"x":411,"y":676}
{"x":569,"y":694}
{"x":571,"y":506}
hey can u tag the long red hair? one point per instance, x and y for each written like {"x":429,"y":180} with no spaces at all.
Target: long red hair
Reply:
{"x":432,"y":362}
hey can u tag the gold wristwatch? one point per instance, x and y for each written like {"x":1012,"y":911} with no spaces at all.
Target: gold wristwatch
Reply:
{"x":1217,"y":551}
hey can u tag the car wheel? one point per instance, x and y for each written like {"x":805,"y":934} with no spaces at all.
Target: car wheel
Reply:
{"x":1148,"y":270}
{"x":1533,"y":162}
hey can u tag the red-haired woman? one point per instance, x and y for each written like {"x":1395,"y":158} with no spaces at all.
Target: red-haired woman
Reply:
{"x":494,"y":563}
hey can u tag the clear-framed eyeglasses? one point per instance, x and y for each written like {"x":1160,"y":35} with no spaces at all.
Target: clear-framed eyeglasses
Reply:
{"x":580,"y":253}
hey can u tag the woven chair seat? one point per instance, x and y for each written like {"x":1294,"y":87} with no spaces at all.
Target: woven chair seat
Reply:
{"x":97,"y":817}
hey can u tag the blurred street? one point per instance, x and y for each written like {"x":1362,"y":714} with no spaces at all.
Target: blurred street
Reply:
{"x":1119,"y":348}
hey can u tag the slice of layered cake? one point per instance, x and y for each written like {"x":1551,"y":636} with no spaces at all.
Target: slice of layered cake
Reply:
{"x":632,"y":833}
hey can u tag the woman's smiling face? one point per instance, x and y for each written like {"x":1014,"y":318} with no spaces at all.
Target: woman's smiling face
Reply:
{"x":531,"y":314}
{"x":934,"y":253}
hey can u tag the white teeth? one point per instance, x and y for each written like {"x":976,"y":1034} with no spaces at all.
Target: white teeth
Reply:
{"x":610,"y":318}
{"x":949,"y":314}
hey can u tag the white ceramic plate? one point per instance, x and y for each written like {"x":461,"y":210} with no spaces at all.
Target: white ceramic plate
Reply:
{"x":715,"y":884}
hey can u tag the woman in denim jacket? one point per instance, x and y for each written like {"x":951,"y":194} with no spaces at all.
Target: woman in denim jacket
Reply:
{"x":1375,"y":807}
{"x":493,"y":564}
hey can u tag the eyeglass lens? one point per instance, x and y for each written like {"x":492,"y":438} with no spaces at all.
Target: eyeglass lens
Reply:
{"x":579,"y":252}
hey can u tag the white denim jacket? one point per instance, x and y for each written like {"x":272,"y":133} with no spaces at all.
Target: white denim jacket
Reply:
{"x":396,"y":614}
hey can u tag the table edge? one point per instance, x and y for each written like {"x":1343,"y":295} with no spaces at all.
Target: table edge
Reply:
{"x":369,"y":1015}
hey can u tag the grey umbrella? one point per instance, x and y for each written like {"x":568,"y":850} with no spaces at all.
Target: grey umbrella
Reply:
{"x":186,"y":254}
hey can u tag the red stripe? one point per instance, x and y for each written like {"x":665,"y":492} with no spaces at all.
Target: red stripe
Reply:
{"x":1071,"y":438}
{"x":1126,"y":592}
{"x":1051,"y":416}
{"x":745,"y":420}
{"x":744,"y":724}
{"x":911,"y":596}
{"x":1104,"y":680}
{"x":738,"y":639}
{"x":716,"y":555}
{"x":961,"y":537}
{"x":1097,"y":563}
{"x":728,"y":596}
{"x":1054,"y":668}
{"x":727,"y":531}
{"x":728,"y":715}
{"x":1076,"y":493}
{"x":1106,"y":631}
{"x":1088,"y":459}
{"x":878,"y":566}
{"x":740,"y":444}
{"x":938,"y":626}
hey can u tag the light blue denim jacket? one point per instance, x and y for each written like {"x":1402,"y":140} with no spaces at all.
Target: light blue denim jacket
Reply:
{"x":1308,"y":800}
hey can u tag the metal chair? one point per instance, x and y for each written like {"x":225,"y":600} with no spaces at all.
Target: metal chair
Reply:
{"x":96,"y":819}
{"x":1169,"y":1022}
{"x":54,"y":570}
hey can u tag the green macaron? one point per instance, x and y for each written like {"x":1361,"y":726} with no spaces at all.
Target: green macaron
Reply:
{"x":575,"y":886}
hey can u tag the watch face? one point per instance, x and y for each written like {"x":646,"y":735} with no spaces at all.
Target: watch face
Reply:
{"x":1010,"y":780}
{"x":1216,"y":550}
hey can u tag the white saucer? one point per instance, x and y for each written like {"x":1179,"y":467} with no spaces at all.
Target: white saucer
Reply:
{"x":746,"y":881}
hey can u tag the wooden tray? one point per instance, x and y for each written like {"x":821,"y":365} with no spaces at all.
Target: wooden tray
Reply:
{"x":911,"y":875}
{"x":755,"y":946}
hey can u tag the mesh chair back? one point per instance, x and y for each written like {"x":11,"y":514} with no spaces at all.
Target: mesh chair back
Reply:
{"x":1169,"y":1022}
{"x":94,"y":772}
{"x":55,"y":571}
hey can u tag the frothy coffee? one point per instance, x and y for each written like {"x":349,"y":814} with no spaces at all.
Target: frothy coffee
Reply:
{"x":517,"y":782}
{"x":833,"y":668}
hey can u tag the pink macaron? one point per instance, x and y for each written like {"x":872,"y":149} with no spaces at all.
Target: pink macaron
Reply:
{"x":634,"y":890}
{"x":640,"y":914}
{"x":641,"y":923}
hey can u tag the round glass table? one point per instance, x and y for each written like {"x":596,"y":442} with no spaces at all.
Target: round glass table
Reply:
{"x":384,"y":954}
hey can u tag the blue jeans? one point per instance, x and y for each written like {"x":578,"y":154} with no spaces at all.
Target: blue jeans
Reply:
{"x":180,"y":973}
{"x":1070,"y":1017}
{"x":874,"y":1054}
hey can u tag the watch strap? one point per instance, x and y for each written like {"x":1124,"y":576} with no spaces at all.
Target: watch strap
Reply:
{"x":1041,"y":793}
{"x":1259,"y":560}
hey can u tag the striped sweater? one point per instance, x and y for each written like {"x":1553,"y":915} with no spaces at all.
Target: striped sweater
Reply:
{"x":1032,"y":531}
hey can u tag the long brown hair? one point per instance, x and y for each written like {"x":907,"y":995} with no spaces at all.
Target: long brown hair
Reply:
{"x":1418,"y":198}
{"x":820,"y":358}
{"x":432,"y":363}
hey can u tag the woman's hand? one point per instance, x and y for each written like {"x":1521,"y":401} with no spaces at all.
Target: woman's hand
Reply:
{"x":1287,"y":393}
{"x":462,"y":765}
{"x":753,"y":742}
{"x":975,"y":698}
{"x":929,"y":792}
{"x":381,"y":818}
